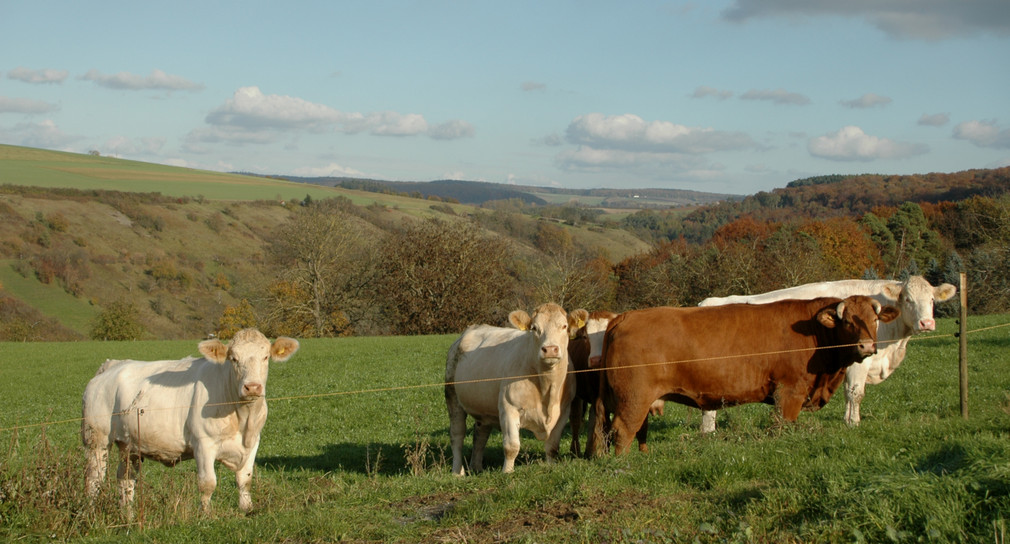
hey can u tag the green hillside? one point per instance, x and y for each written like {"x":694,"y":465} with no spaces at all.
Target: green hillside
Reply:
{"x":79,"y":232}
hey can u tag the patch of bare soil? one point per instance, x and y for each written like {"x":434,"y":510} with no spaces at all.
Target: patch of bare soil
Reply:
{"x":521,"y":522}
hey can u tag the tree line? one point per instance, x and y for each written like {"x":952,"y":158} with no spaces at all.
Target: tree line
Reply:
{"x":335,"y":276}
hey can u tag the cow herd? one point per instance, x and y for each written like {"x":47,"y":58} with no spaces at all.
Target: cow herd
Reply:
{"x":790,"y":348}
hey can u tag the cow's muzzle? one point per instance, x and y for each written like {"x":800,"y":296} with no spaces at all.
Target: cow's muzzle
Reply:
{"x":866,"y":348}
{"x":252,"y":390}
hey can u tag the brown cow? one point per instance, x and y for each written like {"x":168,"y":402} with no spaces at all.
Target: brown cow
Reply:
{"x":711,"y":357}
{"x":585,"y":349}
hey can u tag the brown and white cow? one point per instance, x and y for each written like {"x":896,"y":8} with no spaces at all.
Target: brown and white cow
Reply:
{"x":791,"y":353}
{"x":586,"y":342}
{"x":916,"y":298}
{"x":511,"y":379}
{"x":208,"y":409}
{"x":586,"y":349}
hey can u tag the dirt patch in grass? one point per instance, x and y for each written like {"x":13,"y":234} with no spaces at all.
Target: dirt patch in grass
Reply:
{"x":552,"y":517}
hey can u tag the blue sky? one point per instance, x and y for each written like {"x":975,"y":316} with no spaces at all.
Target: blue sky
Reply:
{"x":727,"y":96}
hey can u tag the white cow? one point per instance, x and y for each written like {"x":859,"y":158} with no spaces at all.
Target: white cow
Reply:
{"x":209,"y":409}
{"x":916,"y":299}
{"x":511,"y":378}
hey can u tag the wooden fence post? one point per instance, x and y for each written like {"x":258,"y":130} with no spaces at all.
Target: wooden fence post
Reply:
{"x":963,"y":354}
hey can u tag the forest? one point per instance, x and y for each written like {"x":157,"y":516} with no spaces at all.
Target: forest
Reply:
{"x":329,"y":267}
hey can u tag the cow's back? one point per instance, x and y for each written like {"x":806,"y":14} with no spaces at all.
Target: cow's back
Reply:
{"x":478,"y":362}
{"x":164,"y":390}
{"x":711,"y":356}
{"x":832,"y":289}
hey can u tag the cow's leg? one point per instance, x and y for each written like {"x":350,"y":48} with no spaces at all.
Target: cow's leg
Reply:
{"x":790,"y":404}
{"x":575,"y":421}
{"x":97,"y":446}
{"x":855,"y":389}
{"x":457,"y":429}
{"x":243,"y":480}
{"x":126,"y":474}
{"x":598,"y":431}
{"x":206,"y":479}
{"x":553,"y":443}
{"x":510,"y":438}
{"x":481,"y":432}
{"x":708,"y":418}
{"x":628,"y":419}
{"x":642,"y":435}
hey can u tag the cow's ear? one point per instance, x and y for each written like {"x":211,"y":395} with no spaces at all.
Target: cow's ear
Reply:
{"x":520,"y":320}
{"x":888,"y":314}
{"x":944,"y":291}
{"x":283,"y":348}
{"x":578,"y":318}
{"x":827,"y":317}
{"x":214,"y":350}
{"x":892,"y":291}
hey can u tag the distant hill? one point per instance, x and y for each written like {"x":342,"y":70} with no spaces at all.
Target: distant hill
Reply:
{"x":479,"y":192}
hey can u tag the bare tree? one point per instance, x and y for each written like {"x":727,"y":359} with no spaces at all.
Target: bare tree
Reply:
{"x":324,"y":261}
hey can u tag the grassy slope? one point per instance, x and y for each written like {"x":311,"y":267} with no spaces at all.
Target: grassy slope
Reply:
{"x":336,"y":459}
{"x":120,"y":252}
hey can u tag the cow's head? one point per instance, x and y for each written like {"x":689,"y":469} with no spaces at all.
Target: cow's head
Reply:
{"x":855,"y":319}
{"x":917,"y":299}
{"x":249,"y":353}
{"x":550,"y":326}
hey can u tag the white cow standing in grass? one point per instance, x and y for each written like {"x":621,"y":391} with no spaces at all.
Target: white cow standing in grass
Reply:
{"x":916,"y":299}
{"x":511,"y":379}
{"x":209,"y":409}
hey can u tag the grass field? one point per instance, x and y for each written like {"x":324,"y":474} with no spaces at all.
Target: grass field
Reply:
{"x":356,"y":449}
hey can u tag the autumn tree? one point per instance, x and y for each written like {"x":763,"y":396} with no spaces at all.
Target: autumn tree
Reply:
{"x":439,"y":277}
{"x":324,"y":263}
{"x":236,"y":318}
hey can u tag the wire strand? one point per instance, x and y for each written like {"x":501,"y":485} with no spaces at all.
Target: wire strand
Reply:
{"x":388,"y":389}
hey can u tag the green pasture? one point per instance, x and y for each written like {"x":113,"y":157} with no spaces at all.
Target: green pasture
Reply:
{"x":51,"y":300}
{"x":356,"y":449}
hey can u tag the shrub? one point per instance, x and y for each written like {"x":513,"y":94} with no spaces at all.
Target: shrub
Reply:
{"x":118,"y":321}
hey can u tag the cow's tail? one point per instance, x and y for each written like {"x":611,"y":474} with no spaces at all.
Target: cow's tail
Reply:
{"x":598,"y":441}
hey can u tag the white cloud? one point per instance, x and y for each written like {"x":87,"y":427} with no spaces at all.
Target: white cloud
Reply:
{"x":630,"y":132}
{"x":778,"y":96}
{"x":451,"y":130}
{"x":868,"y":100}
{"x":388,"y":123}
{"x":934,"y":120}
{"x":926,"y":20}
{"x":45,"y":134}
{"x":157,"y":81}
{"x":251,"y":116}
{"x":25,"y":105}
{"x":705,"y":91}
{"x":983,"y":134}
{"x":533,"y":86}
{"x":249,"y":108}
{"x":38,"y":76}
{"x":331,"y":170}
{"x":852,"y":144}
{"x":126,"y":147}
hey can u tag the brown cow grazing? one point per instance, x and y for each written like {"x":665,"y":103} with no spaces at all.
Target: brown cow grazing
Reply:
{"x":791,"y":353}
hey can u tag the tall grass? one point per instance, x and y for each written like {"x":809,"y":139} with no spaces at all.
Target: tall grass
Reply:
{"x":337,"y":463}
